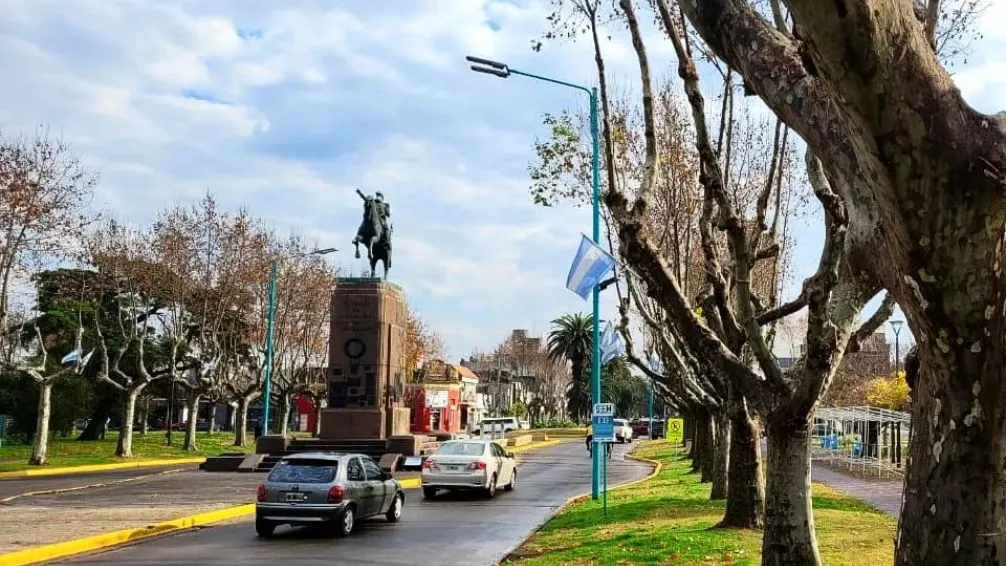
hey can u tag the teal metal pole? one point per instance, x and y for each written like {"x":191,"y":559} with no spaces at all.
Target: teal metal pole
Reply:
{"x":267,"y":386}
{"x":595,"y":365}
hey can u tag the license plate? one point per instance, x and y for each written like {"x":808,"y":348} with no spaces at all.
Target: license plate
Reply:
{"x":295,"y":497}
{"x":452,"y":468}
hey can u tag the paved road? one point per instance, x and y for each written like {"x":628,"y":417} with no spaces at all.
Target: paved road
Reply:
{"x":449,"y":530}
{"x":12,"y":487}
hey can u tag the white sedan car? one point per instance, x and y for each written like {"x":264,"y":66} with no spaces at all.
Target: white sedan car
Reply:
{"x":623,"y":431}
{"x":479,"y":465}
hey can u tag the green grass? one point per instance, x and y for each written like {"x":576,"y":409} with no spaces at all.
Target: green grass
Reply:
{"x":669,"y":520}
{"x":69,"y":452}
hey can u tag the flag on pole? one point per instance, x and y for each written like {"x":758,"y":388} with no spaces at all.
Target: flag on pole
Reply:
{"x":655,"y":364}
{"x":590,"y":265}
{"x":612,"y":344}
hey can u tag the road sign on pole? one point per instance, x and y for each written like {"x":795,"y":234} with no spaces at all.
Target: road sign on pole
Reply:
{"x":603,"y":422}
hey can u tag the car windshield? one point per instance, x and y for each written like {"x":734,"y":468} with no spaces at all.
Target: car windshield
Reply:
{"x":621,"y":422}
{"x":303,"y":470}
{"x":462,"y":449}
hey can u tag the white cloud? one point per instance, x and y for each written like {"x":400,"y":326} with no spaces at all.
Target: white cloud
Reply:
{"x":287,"y":107}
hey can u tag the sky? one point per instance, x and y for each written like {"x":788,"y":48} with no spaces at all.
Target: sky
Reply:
{"x":287,"y":107}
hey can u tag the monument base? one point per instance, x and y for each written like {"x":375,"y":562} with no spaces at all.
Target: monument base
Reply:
{"x":399,"y":421}
{"x":353,"y":424}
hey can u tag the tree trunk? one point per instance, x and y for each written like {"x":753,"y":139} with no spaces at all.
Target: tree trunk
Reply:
{"x":124,"y":448}
{"x":145,"y":420}
{"x":40,"y":447}
{"x":687,"y":427}
{"x":789,"y":538}
{"x":284,"y":414}
{"x":98,"y":417}
{"x":696,"y":452}
{"x":745,"y":485}
{"x":241,"y":426}
{"x":213,"y":420}
{"x":954,"y":508}
{"x":317,"y":418}
{"x":192,"y":403}
{"x":721,"y":456}
{"x":707,"y":453}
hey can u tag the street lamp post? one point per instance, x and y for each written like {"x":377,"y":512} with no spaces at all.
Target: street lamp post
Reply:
{"x":270,"y":325}
{"x":503,"y":71}
{"x":896,"y":326}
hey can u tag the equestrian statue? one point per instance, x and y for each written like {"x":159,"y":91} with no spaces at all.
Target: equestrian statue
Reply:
{"x":375,"y":231}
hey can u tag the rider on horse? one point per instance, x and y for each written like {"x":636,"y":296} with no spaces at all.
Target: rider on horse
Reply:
{"x":375,"y":226}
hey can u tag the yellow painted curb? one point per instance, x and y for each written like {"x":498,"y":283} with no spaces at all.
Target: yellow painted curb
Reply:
{"x":535,"y":446}
{"x":43,"y":471}
{"x":97,"y":542}
{"x":410,"y":483}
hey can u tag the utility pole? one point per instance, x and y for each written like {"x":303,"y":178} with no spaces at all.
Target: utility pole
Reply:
{"x":896,"y":326}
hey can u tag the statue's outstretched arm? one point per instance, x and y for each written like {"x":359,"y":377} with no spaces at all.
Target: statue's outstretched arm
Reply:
{"x":359,"y":192}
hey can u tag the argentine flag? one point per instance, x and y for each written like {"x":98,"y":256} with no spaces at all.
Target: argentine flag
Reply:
{"x":590,"y":265}
{"x":655,"y":364}
{"x":612,"y":344}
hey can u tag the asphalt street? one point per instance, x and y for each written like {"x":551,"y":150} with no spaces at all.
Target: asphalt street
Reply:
{"x":453,"y":529}
{"x":18,"y":486}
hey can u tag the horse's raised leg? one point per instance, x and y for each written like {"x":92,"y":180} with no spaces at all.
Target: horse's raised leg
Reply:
{"x":356,"y":244}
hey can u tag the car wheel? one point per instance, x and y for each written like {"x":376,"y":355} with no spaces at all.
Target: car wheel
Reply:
{"x":429,"y":492}
{"x":345,"y":522}
{"x":490,"y":491}
{"x":395,"y":511}
{"x":264,"y":529}
{"x":513,"y":481}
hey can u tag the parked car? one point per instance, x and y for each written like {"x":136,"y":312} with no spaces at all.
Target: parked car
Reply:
{"x":496,"y":425}
{"x":469,"y":465}
{"x":641,"y":428}
{"x":337,"y":489}
{"x":623,"y":432}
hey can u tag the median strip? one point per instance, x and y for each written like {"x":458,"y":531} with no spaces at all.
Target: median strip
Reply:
{"x":98,"y":542}
{"x":44,"y":471}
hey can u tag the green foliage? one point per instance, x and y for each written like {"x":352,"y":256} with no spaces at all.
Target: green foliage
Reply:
{"x":620,"y":387}
{"x":562,"y":166}
{"x":516,"y":410}
{"x":571,"y":340}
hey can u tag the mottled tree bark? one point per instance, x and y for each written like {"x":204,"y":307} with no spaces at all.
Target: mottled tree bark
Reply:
{"x":745,"y":484}
{"x":124,"y":447}
{"x":241,"y":425}
{"x":789,"y":538}
{"x":192,"y":403}
{"x":721,"y":456}
{"x":40,"y":446}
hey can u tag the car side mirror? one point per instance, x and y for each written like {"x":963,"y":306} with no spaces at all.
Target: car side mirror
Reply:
{"x":511,"y":455}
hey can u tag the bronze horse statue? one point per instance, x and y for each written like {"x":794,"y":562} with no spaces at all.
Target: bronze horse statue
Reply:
{"x":373,"y":234}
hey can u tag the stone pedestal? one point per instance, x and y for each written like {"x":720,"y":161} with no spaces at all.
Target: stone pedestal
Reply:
{"x":366,"y":362}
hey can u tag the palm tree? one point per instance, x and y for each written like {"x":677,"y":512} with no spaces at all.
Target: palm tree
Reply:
{"x":571,"y":340}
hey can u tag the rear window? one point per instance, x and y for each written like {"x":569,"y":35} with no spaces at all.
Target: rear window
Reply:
{"x":621,"y":422}
{"x":462,"y":449}
{"x":304,"y":471}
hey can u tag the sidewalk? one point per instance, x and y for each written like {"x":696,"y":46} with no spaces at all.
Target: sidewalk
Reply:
{"x":881,"y":493}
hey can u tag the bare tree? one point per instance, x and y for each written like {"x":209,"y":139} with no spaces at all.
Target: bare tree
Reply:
{"x":129,"y":305}
{"x":44,"y":195}
{"x":921,"y":175}
{"x":30,"y":356}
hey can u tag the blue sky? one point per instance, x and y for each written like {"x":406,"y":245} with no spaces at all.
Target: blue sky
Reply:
{"x":286,"y":107}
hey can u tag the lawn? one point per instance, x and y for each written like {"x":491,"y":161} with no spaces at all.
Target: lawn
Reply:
{"x":69,"y":452}
{"x":669,"y":520}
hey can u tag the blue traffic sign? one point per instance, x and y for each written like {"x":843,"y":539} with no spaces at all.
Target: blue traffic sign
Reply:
{"x":603,"y":428}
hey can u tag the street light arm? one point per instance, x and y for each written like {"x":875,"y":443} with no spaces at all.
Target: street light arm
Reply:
{"x":489,"y":71}
{"x":486,"y":62}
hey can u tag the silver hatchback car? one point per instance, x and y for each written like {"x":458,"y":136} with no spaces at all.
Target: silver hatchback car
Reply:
{"x":324,"y":488}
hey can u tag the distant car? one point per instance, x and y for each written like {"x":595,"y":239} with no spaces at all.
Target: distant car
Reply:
{"x":623,"y":432}
{"x":641,"y":428}
{"x":480,"y":465}
{"x":496,"y":425}
{"x":334,"y":489}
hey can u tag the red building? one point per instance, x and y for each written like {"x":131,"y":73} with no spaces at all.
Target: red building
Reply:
{"x":435,"y":398}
